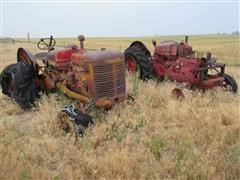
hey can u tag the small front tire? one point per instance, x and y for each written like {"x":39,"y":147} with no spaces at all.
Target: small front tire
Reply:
{"x":230,"y":83}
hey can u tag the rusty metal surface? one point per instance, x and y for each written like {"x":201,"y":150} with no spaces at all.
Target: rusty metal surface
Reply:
{"x":103,"y":71}
{"x":167,"y":48}
{"x":101,"y":55}
{"x":106,"y":76}
{"x":24,"y":55}
{"x":41,"y":55}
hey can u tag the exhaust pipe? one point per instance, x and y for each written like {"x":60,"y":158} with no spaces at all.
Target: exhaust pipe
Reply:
{"x":186,"y":39}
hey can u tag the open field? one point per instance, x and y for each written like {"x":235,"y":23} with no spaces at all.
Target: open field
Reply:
{"x":157,"y":137}
{"x":224,"y":47}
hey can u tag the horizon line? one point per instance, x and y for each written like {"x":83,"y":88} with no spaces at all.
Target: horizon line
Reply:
{"x":156,"y":35}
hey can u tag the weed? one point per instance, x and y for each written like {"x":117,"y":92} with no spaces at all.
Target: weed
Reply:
{"x":136,"y":85}
{"x":157,"y":146}
{"x":56,"y":178}
{"x":23,"y":176}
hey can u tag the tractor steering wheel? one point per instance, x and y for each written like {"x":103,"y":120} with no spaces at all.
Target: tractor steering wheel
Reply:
{"x":46,"y":43}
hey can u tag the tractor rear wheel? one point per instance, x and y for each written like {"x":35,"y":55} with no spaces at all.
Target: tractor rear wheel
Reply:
{"x":137,"y":60}
{"x":230,"y":83}
{"x":17,"y":81}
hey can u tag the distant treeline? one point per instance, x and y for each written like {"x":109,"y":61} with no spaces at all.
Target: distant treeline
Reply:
{"x":235,"y":32}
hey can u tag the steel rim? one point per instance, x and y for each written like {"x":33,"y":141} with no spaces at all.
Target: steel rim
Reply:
{"x":131,"y":65}
{"x":227,"y":86}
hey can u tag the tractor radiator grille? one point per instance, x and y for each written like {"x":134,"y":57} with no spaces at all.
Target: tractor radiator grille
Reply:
{"x":109,"y":80}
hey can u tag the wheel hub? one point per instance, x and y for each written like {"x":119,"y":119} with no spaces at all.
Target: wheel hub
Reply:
{"x":131,"y":65}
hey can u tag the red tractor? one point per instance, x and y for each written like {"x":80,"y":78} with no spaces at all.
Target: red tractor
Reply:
{"x":88,"y":76}
{"x":91,"y":77}
{"x":177,"y":61}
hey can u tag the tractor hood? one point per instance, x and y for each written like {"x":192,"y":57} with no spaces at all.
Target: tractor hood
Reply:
{"x":98,"y":56}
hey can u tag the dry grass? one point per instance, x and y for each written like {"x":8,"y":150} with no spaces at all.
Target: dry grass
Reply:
{"x":157,"y":137}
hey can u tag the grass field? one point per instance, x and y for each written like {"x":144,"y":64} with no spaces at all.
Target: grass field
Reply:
{"x":157,"y":137}
{"x":224,"y":47}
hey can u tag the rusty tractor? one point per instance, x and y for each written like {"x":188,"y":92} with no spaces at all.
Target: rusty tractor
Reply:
{"x":88,"y":76}
{"x":178,"y":62}
{"x":80,"y":74}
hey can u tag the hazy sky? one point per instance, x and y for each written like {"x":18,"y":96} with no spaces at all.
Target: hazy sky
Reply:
{"x":117,"y":19}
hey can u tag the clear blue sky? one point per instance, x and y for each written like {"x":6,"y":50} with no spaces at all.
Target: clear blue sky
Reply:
{"x":118,"y":19}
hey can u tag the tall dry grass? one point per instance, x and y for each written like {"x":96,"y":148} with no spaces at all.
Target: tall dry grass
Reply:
{"x":155,"y":137}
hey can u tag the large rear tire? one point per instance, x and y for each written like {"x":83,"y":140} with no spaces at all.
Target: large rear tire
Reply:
{"x":17,"y":81}
{"x":142,"y":60}
{"x":230,"y":81}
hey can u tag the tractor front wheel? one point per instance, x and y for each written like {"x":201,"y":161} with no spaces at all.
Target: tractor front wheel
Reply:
{"x":230,"y":83}
{"x":137,"y":60}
